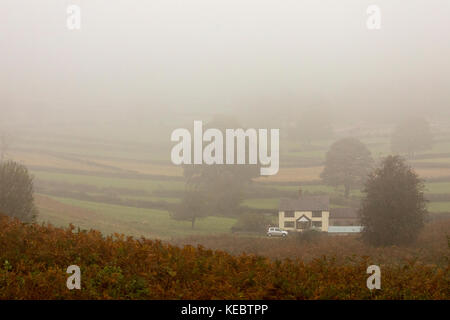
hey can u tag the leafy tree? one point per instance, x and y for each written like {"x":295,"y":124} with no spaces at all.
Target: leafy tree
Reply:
{"x":193,"y":206}
{"x":411,"y":136}
{"x":16,"y":191}
{"x":222,"y":185}
{"x":251,"y":222}
{"x":394,"y":208}
{"x":347,"y":163}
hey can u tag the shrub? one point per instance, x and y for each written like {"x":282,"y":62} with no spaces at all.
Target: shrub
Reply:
{"x":16,"y":191}
{"x":309,"y":235}
{"x":251,"y":222}
{"x":34,"y":259}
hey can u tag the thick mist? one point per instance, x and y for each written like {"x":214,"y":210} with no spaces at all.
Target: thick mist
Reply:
{"x":133,"y":61}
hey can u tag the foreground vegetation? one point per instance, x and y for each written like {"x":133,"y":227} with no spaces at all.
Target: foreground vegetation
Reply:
{"x":431,"y":247}
{"x":34,"y":259}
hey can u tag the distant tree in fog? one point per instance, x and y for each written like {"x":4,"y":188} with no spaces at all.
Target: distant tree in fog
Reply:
{"x":222,"y":185}
{"x":347,"y":163}
{"x":411,"y":136}
{"x":394,"y":207}
{"x":193,"y":206}
{"x":16,"y":192}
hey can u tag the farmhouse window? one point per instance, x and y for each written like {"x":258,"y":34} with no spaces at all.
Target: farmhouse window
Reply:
{"x":289,"y":224}
{"x":317,"y":214}
{"x":289,"y":214}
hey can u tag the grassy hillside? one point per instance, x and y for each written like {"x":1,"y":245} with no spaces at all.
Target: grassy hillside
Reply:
{"x":136,"y":222}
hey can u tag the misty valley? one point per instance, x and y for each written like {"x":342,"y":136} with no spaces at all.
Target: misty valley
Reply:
{"x":214,"y":153}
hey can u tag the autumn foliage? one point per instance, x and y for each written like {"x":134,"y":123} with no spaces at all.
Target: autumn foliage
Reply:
{"x":34,"y":259}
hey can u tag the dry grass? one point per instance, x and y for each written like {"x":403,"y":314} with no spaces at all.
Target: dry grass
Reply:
{"x":294,"y":175}
{"x":61,"y":214}
{"x":142,"y":167}
{"x":431,"y":247}
{"x":38,"y":159}
{"x":433,"y":172}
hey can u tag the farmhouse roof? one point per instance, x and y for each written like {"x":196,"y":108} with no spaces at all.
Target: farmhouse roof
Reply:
{"x":305,"y":203}
{"x":304,"y":218}
{"x":337,"y":213}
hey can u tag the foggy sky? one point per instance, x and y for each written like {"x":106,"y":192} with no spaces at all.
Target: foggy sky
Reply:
{"x":160,"y":57}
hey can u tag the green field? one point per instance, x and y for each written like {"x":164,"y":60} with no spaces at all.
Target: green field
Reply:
{"x":106,"y":215}
{"x":136,"y":221}
{"x":438,"y":187}
{"x":439,"y":207}
{"x":270,"y":203}
{"x":105,"y":182}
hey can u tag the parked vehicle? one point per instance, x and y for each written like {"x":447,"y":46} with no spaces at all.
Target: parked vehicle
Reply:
{"x":276,"y":232}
